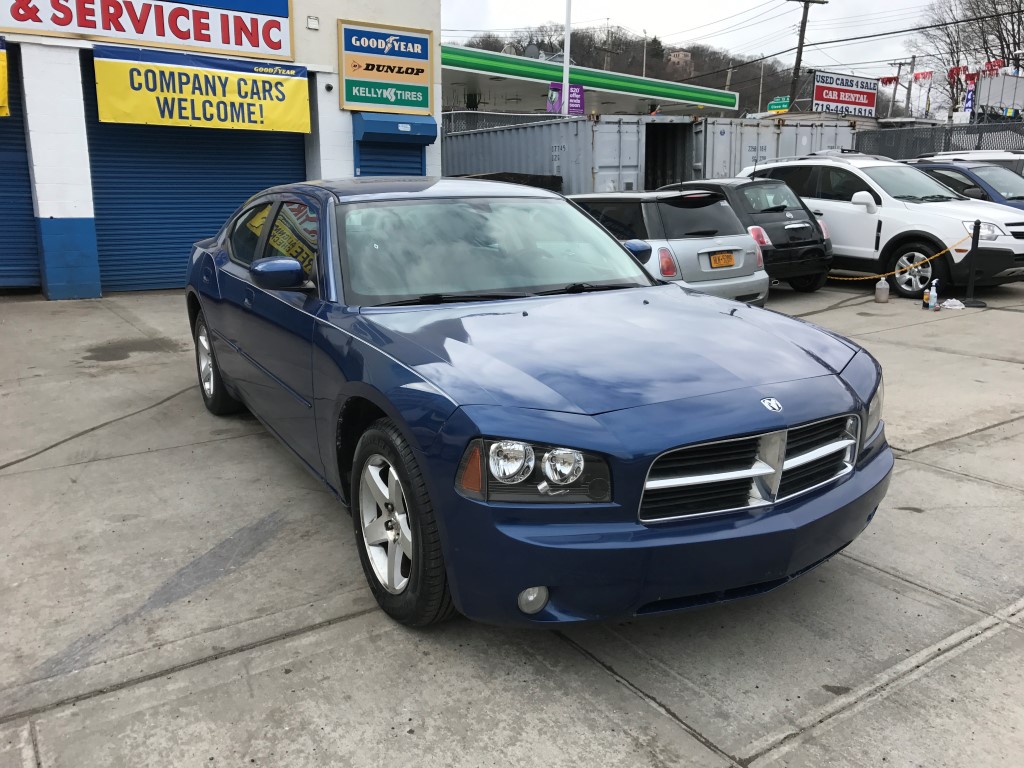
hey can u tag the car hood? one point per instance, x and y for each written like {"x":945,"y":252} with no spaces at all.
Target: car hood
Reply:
{"x":603,"y":351}
{"x":969,"y":210}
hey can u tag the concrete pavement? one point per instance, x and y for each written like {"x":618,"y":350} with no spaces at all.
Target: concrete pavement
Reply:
{"x":175,"y":590}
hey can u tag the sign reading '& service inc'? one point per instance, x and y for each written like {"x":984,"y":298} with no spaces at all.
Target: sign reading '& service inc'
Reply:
{"x":385,"y":69}
{"x":844,"y":94}
{"x":230,"y":27}
{"x":184,"y":89}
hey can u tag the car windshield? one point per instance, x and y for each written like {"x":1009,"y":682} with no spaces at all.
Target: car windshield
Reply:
{"x":910,"y":184}
{"x":460,"y":249}
{"x":766,"y":198}
{"x":1006,"y":182}
{"x":699,"y":214}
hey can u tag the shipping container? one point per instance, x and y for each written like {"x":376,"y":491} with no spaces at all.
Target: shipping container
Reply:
{"x":607,"y":154}
{"x":722,"y":148}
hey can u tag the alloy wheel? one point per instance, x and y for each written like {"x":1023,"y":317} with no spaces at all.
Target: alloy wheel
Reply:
{"x":205,"y":360}
{"x":384,"y":519}
{"x":918,"y":274}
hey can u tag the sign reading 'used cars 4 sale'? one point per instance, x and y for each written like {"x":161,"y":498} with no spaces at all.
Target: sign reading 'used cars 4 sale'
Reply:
{"x":844,"y":94}
{"x":385,"y":69}
{"x":164,"y":88}
{"x":231,"y":27}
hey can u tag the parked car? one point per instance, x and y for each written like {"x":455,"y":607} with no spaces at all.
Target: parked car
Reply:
{"x":696,"y":236}
{"x":526,"y":426}
{"x":978,"y":181}
{"x":884,"y":215}
{"x":1008,"y":158}
{"x":794,"y":242}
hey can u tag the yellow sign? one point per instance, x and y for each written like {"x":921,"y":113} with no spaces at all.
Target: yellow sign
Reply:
{"x":5,"y":106}
{"x":161,"y":88}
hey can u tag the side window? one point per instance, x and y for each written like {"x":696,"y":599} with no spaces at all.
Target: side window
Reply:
{"x":955,"y":180}
{"x":296,"y":235}
{"x":246,"y":233}
{"x":625,"y":219}
{"x":840,"y":184}
{"x":799,"y":178}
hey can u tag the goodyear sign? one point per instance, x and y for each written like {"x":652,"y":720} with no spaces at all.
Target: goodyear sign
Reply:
{"x":5,"y":105}
{"x":162,"y":88}
{"x":385,"y":69}
{"x":232,"y":27}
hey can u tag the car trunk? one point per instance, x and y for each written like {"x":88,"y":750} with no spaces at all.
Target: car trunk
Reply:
{"x":785,"y":228}
{"x":705,"y":236}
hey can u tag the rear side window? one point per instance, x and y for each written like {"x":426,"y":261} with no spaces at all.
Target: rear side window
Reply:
{"x":623,"y":218}
{"x":799,"y":178}
{"x":246,"y":233}
{"x":699,"y":215}
{"x":295,"y":235}
{"x":841,"y":184}
{"x":766,"y":198}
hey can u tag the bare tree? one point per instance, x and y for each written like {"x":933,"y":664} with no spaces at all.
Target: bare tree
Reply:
{"x":946,"y":47}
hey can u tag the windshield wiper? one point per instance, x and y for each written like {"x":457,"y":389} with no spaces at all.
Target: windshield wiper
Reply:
{"x":937,"y":198}
{"x":774,"y":209}
{"x":452,"y":298}
{"x":701,"y":233}
{"x":911,"y":198}
{"x":1015,"y":197}
{"x":588,"y":287}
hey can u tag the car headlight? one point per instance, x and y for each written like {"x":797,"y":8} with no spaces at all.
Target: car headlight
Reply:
{"x":988,"y":230}
{"x":521,"y":472}
{"x":874,"y":412}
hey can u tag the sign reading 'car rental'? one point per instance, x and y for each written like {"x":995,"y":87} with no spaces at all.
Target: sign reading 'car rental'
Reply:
{"x":231,"y":27}
{"x":385,"y":69}
{"x":844,"y":94}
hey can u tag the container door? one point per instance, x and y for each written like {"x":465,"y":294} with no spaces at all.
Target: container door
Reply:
{"x":19,"y":257}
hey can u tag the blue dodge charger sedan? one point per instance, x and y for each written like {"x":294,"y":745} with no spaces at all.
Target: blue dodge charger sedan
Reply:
{"x":525,"y":426}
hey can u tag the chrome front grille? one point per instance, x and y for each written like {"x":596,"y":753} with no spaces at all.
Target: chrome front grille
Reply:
{"x":748,"y":472}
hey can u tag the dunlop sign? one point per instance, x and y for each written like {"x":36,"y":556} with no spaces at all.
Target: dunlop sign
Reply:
{"x":163,"y":88}
{"x":385,"y":69}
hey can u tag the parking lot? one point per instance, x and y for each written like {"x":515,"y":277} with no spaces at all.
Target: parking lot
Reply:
{"x":176,"y":590}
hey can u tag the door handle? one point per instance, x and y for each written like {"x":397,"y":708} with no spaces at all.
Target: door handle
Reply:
{"x":248,"y":298}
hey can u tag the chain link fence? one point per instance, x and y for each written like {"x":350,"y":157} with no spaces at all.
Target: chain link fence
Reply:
{"x":904,"y":143}
{"x":461,"y":122}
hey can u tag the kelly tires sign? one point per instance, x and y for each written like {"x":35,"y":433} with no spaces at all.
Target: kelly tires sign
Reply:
{"x":163,"y":88}
{"x":230,"y":27}
{"x":385,"y":69}
{"x":844,"y":94}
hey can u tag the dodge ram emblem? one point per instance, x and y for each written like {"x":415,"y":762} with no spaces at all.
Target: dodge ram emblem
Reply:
{"x":771,"y":404}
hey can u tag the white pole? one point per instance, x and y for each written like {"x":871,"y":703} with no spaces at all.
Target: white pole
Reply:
{"x":645,"y":53}
{"x":565,"y":57}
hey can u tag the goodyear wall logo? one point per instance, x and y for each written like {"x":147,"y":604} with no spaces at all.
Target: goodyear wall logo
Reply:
{"x":163,"y":88}
{"x":5,"y":107}
{"x":385,"y":69}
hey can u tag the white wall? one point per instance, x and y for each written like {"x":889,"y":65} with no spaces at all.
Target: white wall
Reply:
{"x":55,"y":132}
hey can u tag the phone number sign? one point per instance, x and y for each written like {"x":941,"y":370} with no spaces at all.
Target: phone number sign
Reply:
{"x":844,"y":94}
{"x":231,"y":27}
{"x":385,"y":69}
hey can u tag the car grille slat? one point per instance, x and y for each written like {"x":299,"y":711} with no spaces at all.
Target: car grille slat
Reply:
{"x":748,"y":472}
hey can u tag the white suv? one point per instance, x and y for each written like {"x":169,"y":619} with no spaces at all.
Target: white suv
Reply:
{"x":885,"y":215}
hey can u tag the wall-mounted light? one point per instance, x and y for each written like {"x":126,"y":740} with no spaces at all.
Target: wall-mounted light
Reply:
{"x":312,"y":22}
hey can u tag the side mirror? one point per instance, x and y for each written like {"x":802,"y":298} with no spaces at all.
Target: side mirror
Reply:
{"x":640,"y":249}
{"x":277,"y":273}
{"x":975,"y":193}
{"x":865,"y":199}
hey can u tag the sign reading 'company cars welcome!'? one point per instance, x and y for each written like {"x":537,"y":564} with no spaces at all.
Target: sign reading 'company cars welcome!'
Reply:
{"x":230,"y":27}
{"x":385,"y":69}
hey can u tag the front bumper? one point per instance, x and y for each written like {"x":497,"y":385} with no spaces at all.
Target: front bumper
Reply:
{"x":618,"y":568}
{"x":992,"y":266}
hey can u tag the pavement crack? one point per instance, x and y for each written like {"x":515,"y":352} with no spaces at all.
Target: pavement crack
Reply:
{"x":953,"y":439}
{"x":34,"y":737}
{"x":851,"y":300}
{"x":174,"y":669}
{"x":966,"y":475}
{"x":90,"y":430}
{"x":653,"y":702}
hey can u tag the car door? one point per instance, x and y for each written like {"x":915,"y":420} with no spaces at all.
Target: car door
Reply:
{"x":854,"y":230}
{"x":276,"y":335}
{"x":242,"y":244}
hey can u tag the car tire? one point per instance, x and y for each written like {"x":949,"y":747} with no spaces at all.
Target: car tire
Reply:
{"x":808,"y":283}
{"x":911,"y":284}
{"x":396,"y":530}
{"x":216,"y":397}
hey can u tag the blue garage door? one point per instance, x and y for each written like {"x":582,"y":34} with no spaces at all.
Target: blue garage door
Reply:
{"x":19,"y":254}
{"x":385,"y":158}
{"x":158,"y":189}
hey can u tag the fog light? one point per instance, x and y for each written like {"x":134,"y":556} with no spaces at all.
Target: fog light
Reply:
{"x":533,"y":599}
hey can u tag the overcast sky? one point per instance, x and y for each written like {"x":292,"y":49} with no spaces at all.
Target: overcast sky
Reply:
{"x":746,"y":27}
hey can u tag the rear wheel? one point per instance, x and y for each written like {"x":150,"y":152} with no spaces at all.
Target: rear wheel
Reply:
{"x":808,"y":283}
{"x":915,"y":273}
{"x":216,"y":398}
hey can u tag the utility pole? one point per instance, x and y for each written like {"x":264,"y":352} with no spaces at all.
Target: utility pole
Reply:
{"x":645,"y":54}
{"x":899,"y":69}
{"x":910,"y":83}
{"x":760,"y":88}
{"x":800,"y":48}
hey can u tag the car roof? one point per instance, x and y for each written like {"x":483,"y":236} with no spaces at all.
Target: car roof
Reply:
{"x":410,"y":187}
{"x":1003,"y":154}
{"x":955,"y":163}
{"x":730,"y":182}
{"x":640,"y":196}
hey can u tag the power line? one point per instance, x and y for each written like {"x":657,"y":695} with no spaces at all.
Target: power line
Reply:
{"x":727,"y":18}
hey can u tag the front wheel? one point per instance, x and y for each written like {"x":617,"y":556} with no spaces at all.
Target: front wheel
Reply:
{"x":915,"y":273}
{"x":396,"y":531}
{"x":217,"y":399}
